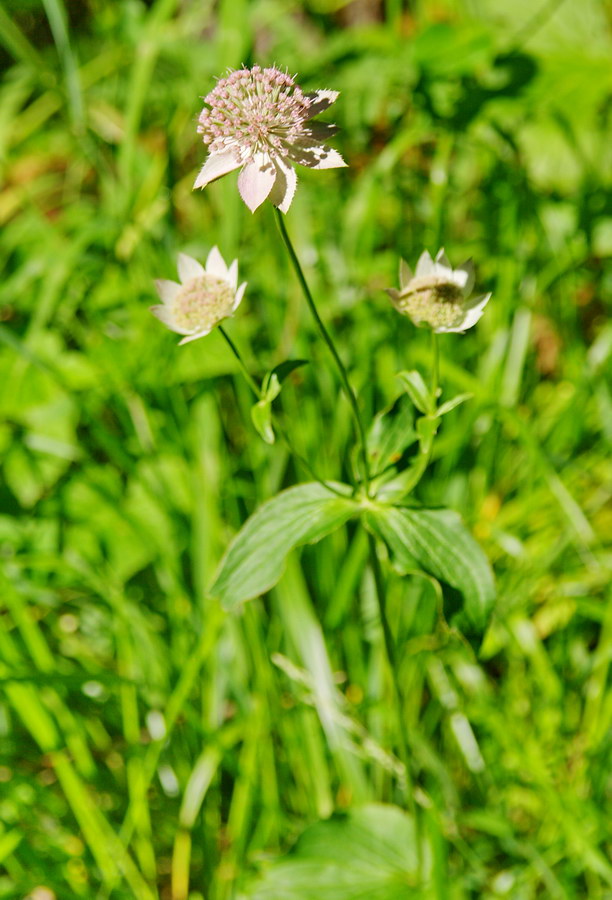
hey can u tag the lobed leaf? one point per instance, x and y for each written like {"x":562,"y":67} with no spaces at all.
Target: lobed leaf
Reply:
{"x":255,"y":559}
{"x":438,"y":541}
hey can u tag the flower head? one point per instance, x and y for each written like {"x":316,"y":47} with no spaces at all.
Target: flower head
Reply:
{"x":203,"y":299}
{"x":258,"y":120}
{"x":438,"y":295}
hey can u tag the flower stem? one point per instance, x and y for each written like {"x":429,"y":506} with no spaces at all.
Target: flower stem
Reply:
{"x":257,"y":392}
{"x":348,"y":390}
{"x":425,"y":453}
{"x":393,"y":665}
{"x":435,"y":366}
{"x":247,"y":375}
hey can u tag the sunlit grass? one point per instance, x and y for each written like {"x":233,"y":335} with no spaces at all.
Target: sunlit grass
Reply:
{"x":150,"y":748}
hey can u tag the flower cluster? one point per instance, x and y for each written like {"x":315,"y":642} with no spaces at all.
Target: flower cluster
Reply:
{"x":204,"y":297}
{"x":259,"y":120}
{"x":438,"y":295}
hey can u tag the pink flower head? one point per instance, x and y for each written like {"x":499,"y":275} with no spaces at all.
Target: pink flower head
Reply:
{"x":259,"y":120}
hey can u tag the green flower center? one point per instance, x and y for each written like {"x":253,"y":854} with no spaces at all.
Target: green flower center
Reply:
{"x":432,"y":301}
{"x":202,"y":303}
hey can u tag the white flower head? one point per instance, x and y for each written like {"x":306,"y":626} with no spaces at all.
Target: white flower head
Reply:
{"x":259,"y":121}
{"x":204,"y":297}
{"x":438,"y":295}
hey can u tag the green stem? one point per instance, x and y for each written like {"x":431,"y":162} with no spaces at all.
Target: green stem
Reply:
{"x":425,"y":454}
{"x":247,"y":375}
{"x":393,"y":665}
{"x":435,"y":367}
{"x":348,"y":390}
{"x":256,"y":390}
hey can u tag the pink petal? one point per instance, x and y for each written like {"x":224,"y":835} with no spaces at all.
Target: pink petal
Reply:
{"x":188,"y":267}
{"x":314,"y":155}
{"x":321,"y":100}
{"x":167,"y":290}
{"x":319,"y":132}
{"x":216,"y":165}
{"x":284,"y":186}
{"x":256,"y":180}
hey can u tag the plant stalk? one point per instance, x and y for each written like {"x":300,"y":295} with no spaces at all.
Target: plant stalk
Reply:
{"x":285,"y":437}
{"x":348,"y":390}
{"x":392,"y":661}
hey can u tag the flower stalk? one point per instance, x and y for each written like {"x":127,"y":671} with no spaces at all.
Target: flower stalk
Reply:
{"x":344,"y":379}
{"x":258,"y":395}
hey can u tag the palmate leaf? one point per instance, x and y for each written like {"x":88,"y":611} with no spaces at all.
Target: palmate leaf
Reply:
{"x":368,"y":853}
{"x":437,"y":541}
{"x":255,"y":559}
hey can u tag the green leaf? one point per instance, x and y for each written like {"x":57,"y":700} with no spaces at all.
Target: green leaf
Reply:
{"x":261,"y":412}
{"x":391,"y":432}
{"x":255,"y":559}
{"x":438,"y":541}
{"x":451,"y":404}
{"x":368,"y":853}
{"x":270,"y":388}
{"x":418,"y":391}
{"x":284,"y":369}
{"x":261,"y":415}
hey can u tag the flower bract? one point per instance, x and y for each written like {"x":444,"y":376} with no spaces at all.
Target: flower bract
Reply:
{"x":437,"y":295}
{"x":260,"y":121}
{"x":204,"y":297}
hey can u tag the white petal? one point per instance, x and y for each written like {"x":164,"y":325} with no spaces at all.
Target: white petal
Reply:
{"x":314,"y":155}
{"x":194,"y":337}
{"x":188,"y":267}
{"x":457,"y":276}
{"x":239,"y":296}
{"x":256,"y":180}
{"x":467,"y":270}
{"x":477,"y":304}
{"x":321,"y":100}
{"x":232,"y":275}
{"x":441,"y":257}
{"x":405,"y":274}
{"x":393,"y":293}
{"x":285,"y":184}
{"x":216,"y":165}
{"x":448,"y":274}
{"x":167,"y":290}
{"x":164,"y":314}
{"x":473,"y":313}
{"x":215,"y":264}
{"x":443,"y":269}
{"x":425,"y":265}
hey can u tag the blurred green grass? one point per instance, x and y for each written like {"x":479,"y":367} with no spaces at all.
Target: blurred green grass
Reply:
{"x":149,"y":749}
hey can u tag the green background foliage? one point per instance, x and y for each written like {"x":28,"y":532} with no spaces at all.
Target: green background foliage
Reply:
{"x":151,"y":747}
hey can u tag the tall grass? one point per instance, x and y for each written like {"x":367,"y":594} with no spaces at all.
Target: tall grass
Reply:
{"x":151,"y":748}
